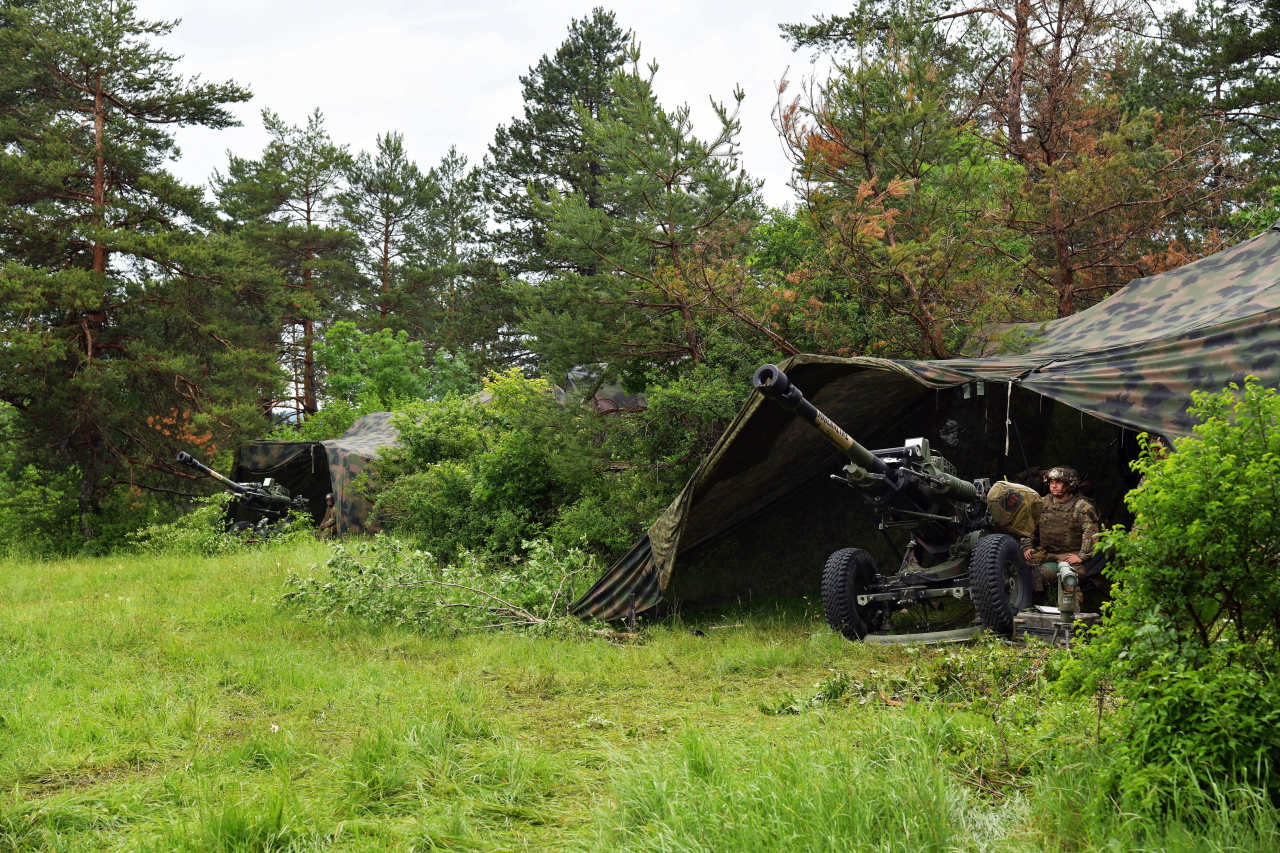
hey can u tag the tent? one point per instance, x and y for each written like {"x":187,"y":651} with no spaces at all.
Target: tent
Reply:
{"x":315,"y":468}
{"x":760,"y":512}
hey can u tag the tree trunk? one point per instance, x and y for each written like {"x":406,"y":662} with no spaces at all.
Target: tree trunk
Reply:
{"x":453,"y":278}
{"x":90,"y":476}
{"x":386,"y":270}
{"x":309,"y":404}
{"x":1065,"y":278}
{"x":1013,"y":100}
{"x":686,"y":315}
{"x":308,"y":355}
{"x":308,"y":368}
{"x":99,"y":175}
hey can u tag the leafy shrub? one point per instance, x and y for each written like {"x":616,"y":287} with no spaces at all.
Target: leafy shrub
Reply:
{"x":1190,"y":640}
{"x":38,"y":512}
{"x":376,"y":372}
{"x":386,"y":581}
{"x":612,"y":514}
{"x":385,"y":367}
{"x":450,"y":429}
{"x":1197,"y":724}
{"x":683,"y":419}
{"x":514,"y":464}
{"x":203,"y":531}
{"x":330,"y":422}
{"x":433,"y":507}
{"x":491,"y":473}
{"x":38,"y":509}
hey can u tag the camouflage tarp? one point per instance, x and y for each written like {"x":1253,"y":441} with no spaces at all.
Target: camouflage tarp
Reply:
{"x":1131,"y":361}
{"x":314,"y":468}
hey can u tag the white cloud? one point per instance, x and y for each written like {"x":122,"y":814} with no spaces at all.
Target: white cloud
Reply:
{"x":447,"y":73}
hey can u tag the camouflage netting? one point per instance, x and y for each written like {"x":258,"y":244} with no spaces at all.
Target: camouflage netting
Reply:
{"x":314,"y":468}
{"x":760,"y":513}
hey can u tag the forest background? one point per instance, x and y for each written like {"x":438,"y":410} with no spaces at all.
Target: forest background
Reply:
{"x":959,"y":166}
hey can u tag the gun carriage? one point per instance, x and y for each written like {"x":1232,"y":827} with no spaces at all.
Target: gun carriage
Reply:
{"x":957,"y":551}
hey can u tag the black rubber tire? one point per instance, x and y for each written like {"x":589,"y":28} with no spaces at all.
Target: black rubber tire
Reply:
{"x":999,"y":581}
{"x":847,"y":572}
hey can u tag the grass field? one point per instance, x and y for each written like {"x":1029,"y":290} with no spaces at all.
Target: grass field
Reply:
{"x":168,"y":703}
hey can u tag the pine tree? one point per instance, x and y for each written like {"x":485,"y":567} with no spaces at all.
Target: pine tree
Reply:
{"x":912,"y":224}
{"x":472,"y":302}
{"x":547,"y":150}
{"x":1220,"y":61}
{"x":285,"y":204}
{"x":385,"y":201}
{"x":1109,"y":192}
{"x":655,"y":256}
{"x":125,"y":331}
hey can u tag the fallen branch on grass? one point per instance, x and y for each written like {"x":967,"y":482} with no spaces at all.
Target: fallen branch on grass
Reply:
{"x":385,"y":582}
{"x":513,"y":615}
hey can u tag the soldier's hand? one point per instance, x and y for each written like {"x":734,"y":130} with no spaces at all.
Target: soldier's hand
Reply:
{"x":1026,"y":555}
{"x":1074,"y":559}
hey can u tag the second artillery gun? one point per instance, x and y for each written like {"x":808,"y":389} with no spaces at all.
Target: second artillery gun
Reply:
{"x":257,"y":506}
{"x":959,"y":545}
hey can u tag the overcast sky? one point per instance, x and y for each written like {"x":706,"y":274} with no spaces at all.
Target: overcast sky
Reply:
{"x":447,"y":73}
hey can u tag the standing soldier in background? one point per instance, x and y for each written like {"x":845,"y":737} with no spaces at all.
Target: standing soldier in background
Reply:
{"x":1067,"y":529}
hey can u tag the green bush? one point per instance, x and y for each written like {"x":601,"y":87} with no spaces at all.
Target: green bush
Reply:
{"x":492,"y":472}
{"x":384,"y":367}
{"x":203,"y":531}
{"x":433,"y":507}
{"x":612,"y":514}
{"x":450,"y":429}
{"x":38,"y":512}
{"x":682,"y":421}
{"x":1190,"y":640}
{"x":39,"y":506}
{"x":330,"y":422}
{"x":514,"y":464}
{"x":375,"y":372}
{"x":1198,"y":723}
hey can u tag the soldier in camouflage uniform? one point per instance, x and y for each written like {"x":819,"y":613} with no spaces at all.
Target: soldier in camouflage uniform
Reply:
{"x":329,"y":524}
{"x":1067,"y":529}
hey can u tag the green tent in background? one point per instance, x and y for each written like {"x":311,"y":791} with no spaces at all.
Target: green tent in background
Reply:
{"x":315,"y":468}
{"x":760,"y":513}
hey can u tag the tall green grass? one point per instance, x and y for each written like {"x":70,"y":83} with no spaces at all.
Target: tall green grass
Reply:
{"x":895,"y":781}
{"x":167,"y":703}
{"x":824,"y":789}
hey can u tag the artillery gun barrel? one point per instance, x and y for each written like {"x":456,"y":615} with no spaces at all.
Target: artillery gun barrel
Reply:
{"x":185,"y":458}
{"x":773,"y":383}
{"x":927,"y":486}
{"x":953,"y":488}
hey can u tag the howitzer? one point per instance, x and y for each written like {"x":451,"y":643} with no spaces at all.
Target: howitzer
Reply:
{"x":258,"y":504}
{"x":958,"y":548}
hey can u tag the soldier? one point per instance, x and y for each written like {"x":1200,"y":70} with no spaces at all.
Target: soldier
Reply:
{"x":1067,"y":529}
{"x":329,"y":524}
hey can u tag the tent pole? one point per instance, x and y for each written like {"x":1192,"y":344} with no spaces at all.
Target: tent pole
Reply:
{"x":1008,"y":415}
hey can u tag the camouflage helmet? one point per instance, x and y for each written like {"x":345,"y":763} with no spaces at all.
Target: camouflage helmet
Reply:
{"x":1067,"y":475}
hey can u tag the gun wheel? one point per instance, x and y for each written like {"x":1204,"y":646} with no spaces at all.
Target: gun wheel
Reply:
{"x":999,"y":582}
{"x":848,"y":572}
